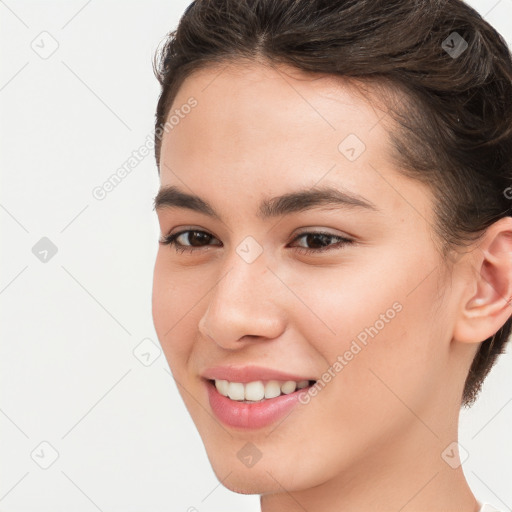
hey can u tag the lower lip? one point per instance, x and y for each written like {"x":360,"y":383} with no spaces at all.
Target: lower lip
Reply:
{"x":251,"y":415}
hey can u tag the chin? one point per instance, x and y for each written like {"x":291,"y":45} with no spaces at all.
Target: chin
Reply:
{"x":247,"y":481}
{"x":265,"y":477}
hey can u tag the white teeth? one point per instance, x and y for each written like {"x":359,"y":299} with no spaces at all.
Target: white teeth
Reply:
{"x":236,"y":391}
{"x":288,"y":387}
{"x":222,"y":387}
{"x":256,"y":391}
{"x":272,"y":389}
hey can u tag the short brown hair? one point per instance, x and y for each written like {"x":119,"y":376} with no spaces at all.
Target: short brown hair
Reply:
{"x":454,"y":125}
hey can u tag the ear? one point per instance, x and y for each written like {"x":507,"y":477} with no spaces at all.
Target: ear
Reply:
{"x":486,"y":303}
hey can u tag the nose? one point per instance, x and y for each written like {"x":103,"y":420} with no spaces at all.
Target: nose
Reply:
{"x":243,"y":305}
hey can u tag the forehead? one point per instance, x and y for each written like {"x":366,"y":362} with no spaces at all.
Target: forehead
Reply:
{"x":247,"y":108}
{"x":239,"y":89}
{"x":260,"y":128}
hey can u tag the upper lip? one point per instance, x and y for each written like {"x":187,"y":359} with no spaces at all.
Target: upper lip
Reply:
{"x":250,"y":373}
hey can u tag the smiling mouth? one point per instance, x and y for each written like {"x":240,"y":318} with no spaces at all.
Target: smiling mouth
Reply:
{"x":259,"y":390}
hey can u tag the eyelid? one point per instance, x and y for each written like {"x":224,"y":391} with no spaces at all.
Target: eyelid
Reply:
{"x":303,"y":230}
{"x":343,"y":240}
{"x":186,"y":229}
{"x":321,"y":231}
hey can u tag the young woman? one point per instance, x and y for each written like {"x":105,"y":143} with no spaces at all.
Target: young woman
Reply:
{"x":335,"y":271}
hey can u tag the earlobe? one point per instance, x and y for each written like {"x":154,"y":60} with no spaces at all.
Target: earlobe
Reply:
{"x":490,"y":306}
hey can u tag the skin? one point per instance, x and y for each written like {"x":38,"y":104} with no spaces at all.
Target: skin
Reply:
{"x":372,"y":438}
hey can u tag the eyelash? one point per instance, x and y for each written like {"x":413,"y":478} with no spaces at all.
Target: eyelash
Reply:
{"x":171,"y":240}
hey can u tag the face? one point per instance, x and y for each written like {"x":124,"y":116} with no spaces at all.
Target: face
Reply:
{"x":343,"y":287}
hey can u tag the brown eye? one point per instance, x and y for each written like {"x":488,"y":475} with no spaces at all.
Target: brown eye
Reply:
{"x":196,"y":240}
{"x":320,"y":242}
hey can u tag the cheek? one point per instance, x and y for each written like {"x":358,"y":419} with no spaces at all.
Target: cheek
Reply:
{"x":374,"y":323}
{"x":174,"y":292}
{"x":160,"y":297}
{"x":171,"y":312}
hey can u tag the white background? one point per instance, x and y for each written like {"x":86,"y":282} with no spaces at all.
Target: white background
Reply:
{"x":69,"y":326}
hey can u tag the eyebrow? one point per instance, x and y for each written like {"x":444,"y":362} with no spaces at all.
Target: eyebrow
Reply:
{"x":295,"y":201}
